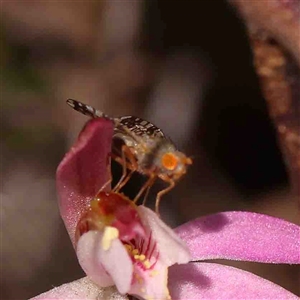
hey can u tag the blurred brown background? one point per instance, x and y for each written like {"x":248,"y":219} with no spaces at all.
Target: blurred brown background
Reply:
{"x":185,"y":66}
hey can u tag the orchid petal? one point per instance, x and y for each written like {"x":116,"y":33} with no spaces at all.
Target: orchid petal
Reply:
{"x":87,"y":255}
{"x":152,"y":284}
{"x":214,"y":281}
{"x":171,"y":249}
{"x":242,"y":236}
{"x":83,"y":171}
{"x":82,"y":289}
{"x":105,"y":267}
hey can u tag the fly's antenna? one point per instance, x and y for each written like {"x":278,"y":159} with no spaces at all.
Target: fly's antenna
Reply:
{"x":87,"y":109}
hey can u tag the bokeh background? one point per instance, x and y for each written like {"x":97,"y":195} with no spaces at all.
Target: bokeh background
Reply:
{"x":185,"y":66}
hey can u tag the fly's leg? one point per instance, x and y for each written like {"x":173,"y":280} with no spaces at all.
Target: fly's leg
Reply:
{"x":108,"y":182}
{"x":122,"y":161}
{"x":128,"y":161}
{"x":126,"y":179}
{"x":161,"y":193}
{"x":146,"y":195}
{"x":147,"y":185}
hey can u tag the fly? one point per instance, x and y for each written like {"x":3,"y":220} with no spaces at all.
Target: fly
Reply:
{"x":146,"y":150}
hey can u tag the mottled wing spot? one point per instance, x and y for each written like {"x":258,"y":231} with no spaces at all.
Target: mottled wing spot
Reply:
{"x":140,"y":127}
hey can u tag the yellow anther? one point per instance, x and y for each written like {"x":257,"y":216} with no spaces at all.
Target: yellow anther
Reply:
{"x":142,"y":257}
{"x":110,"y":234}
{"x":147,"y":264}
{"x":136,"y":257}
{"x":128,"y":248}
{"x":135,"y":251}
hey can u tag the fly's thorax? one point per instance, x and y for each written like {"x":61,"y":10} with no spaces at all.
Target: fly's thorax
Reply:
{"x":145,"y":152}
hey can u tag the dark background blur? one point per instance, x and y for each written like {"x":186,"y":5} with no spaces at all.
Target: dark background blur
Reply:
{"x":185,"y":66}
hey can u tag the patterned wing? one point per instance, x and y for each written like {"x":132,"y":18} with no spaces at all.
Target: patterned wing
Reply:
{"x":140,"y":127}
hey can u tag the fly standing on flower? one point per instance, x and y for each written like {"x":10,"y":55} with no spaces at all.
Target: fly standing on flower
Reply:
{"x":145,"y":149}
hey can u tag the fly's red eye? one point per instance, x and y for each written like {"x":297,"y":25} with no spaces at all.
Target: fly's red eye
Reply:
{"x":169,"y":161}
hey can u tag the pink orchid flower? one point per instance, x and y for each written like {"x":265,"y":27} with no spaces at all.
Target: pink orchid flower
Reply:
{"x":113,"y":247}
{"x":125,"y":245}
